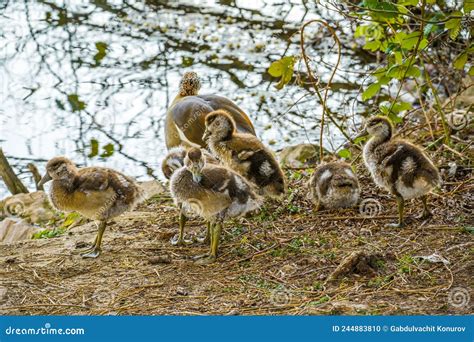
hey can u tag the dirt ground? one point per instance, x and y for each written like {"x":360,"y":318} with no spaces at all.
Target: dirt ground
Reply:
{"x":279,"y":261}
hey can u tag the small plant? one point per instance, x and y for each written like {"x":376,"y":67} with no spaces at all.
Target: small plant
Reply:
{"x":405,"y":264}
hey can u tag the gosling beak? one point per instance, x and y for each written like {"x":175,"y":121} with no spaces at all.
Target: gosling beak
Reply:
{"x":197,"y":177}
{"x":205,"y":136}
{"x":46,"y":178}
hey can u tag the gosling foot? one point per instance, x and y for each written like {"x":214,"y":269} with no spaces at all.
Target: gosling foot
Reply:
{"x":177,"y":241}
{"x":395,"y":225}
{"x":93,"y":252}
{"x":206,"y":259}
{"x":206,"y":239}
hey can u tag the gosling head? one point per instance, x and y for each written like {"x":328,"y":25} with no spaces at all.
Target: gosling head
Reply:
{"x":219,"y":126}
{"x":190,"y":84}
{"x":379,"y":127}
{"x":59,"y":168}
{"x":194,"y":162}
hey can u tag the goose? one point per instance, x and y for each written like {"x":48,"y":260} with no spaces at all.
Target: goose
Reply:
{"x":185,"y":117}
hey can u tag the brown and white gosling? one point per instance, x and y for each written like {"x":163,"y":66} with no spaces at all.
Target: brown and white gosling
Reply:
{"x":173,"y":161}
{"x":185,"y":117}
{"x":244,"y":153}
{"x":95,"y":192}
{"x":212,"y":192}
{"x":334,"y":185}
{"x":398,"y":166}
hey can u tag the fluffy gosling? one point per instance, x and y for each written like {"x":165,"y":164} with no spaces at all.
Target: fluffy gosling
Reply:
{"x":244,"y":153}
{"x":212,"y":192}
{"x":173,"y":161}
{"x":398,"y":166}
{"x":334,"y":185}
{"x":95,"y":192}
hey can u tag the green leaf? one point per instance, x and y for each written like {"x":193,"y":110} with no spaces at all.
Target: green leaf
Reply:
{"x":460,"y":61}
{"x":468,"y":6}
{"x":373,"y":45}
{"x":454,"y":25}
{"x":401,"y":71}
{"x":101,"y":52}
{"x":401,"y":106}
{"x":360,"y":139}
{"x":345,"y":153}
{"x":94,"y":148}
{"x":108,"y":150}
{"x":408,"y":2}
{"x":413,"y":72}
{"x":371,"y":91}
{"x":282,"y":68}
{"x":395,"y":118}
{"x":383,"y":10}
{"x":379,"y":73}
{"x":471,"y":71}
{"x":187,"y":61}
{"x":410,"y":40}
{"x":76,"y":104}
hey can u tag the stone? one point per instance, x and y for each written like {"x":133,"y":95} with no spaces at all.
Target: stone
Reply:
{"x":34,"y":207}
{"x":152,"y":188}
{"x":12,"y":230}
{"x":300,"y":156}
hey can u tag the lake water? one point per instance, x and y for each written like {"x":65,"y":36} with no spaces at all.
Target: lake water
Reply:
{"x":93,"y":81}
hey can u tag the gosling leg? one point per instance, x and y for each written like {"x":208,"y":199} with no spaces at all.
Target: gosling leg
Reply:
{"x":179,"y":240}
{"x":207,"y":237}
{"x":95,"y":251}
{"x":426,"y":212}
{"x":216,"y":229}
{"x":401,"y":206}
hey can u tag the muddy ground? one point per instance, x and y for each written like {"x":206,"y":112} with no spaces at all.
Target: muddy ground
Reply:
{"x":279,"y":261}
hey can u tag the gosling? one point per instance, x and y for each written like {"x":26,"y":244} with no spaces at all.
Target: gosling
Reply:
{"x":95,"y":192}
{"x":244,"y":153}
{"x":173,"y":161}
{"x":334,"y":185}
{"x":185,"y":117}
{"x":398,"y":166}
{"x":212,"y":192}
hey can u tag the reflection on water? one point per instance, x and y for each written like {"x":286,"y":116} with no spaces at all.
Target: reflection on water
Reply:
{"x":93,"y":81}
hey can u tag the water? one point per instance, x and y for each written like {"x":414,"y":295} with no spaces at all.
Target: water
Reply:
{"x":93,"y":81}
